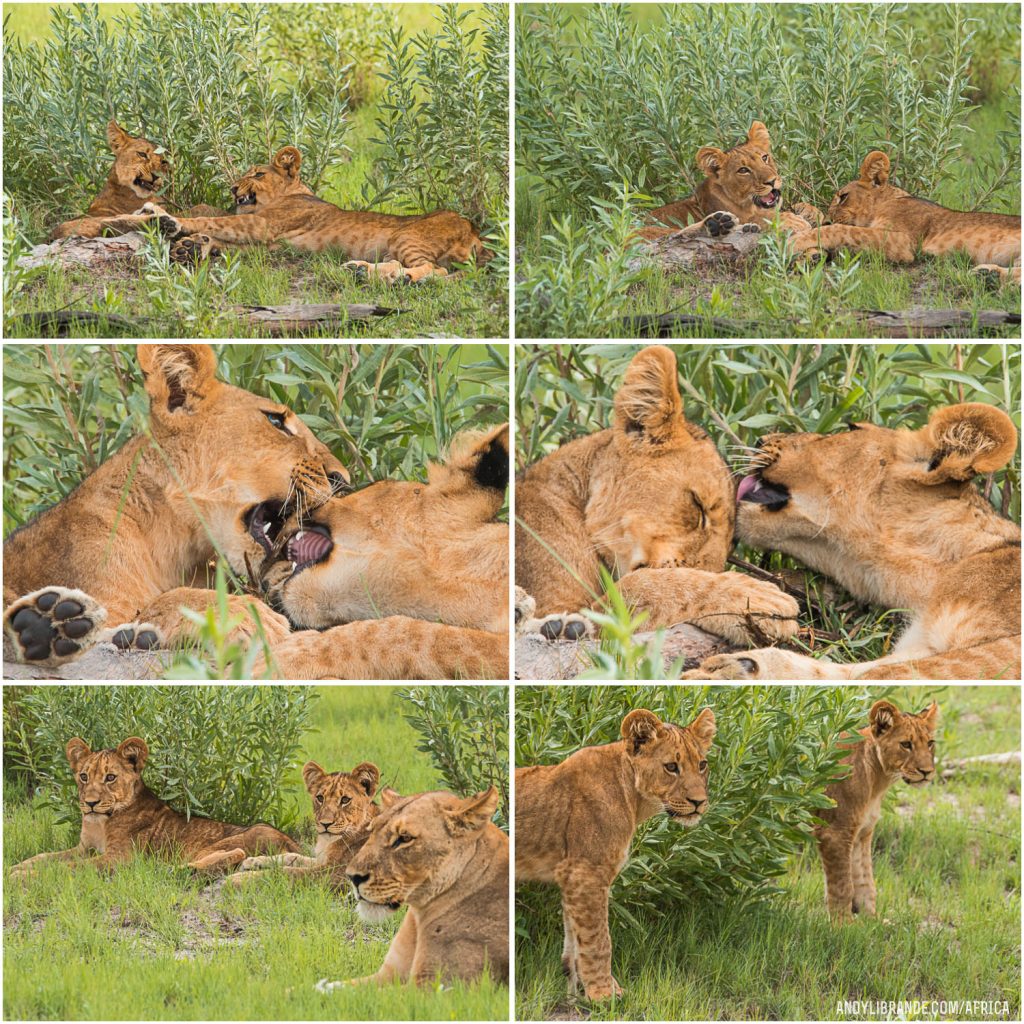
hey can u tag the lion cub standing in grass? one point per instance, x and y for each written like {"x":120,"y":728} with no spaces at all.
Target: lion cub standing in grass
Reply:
{"x":575,"y":821}
{"x":121,"y":817}
{"x":894,"y":745}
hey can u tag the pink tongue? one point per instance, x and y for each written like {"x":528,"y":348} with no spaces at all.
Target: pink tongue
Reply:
{"x":310,"y":547}
{"x":747,"y":484}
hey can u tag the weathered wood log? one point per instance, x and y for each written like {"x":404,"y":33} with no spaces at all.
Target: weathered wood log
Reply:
{"x":69,"y":323}
{"x":117,"y":252}
{"x":537,"y":658}
{"x":104,"y":661}
{"x":301,"y":318}
{"x":954,"y":767}
{"x":678,"y":251}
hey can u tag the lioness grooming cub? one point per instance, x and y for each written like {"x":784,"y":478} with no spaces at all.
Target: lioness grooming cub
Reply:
{"x":893,"y":516}
{"x":575,"y":821}
{"x":893,"y":746}
{"x":121,"y":817}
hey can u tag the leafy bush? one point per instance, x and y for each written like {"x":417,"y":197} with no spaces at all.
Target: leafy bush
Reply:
{"x":464,"y":729}
{"x":207,"y":81}
{"x":602,"y":99}
{"x":773,"y":755}
{"x":218,"y":751}
{"x":444,"y":129}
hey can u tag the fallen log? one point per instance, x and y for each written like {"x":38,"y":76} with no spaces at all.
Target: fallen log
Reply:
{"x":301,"y":318}
{"x":953,"y":767}
{"x":678,"y":251}
{"x":115,"y":253}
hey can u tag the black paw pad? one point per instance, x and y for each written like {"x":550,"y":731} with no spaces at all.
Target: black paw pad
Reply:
{"x":574,"y":630}
{"x":719,"y":224}
{"x":552,"y":629}
{"x":146,"y":640}
{"x":47,"y":601}
{"x":65,"y":647}
{"x":67,"y":610}
{"x":519,"y":615}
{"x":123,"y":639}
{"x":76,"y":628}
{"x":168,"y":226}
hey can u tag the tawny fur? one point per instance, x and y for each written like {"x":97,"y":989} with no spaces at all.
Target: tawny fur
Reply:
{"x":892,"y":515}
{"x":651,"y":500}
{"x":870,"y":213}
{"x":576,"y":820}
{"x":443,"y":858}
{"x":121,"y":818}
{"x":894,"y":746}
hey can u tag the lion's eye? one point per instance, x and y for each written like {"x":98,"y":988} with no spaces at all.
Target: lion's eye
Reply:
{"x":744,"y":170}
{"x":931,"y":743}
{"x":401,"y":840}
{"x":143,"y":154}
{"x":83,"y":776}
{"x":843,"y":196}
{"x":276,"y":419}
{"x":319,"y":798}
{"x":672,"y":768}
{"x":764,"y":157}
{"x":345,"y":801}
{"x":259,"y":174}
{"x":110,"y":778}
{"x":907,"y":745}
{"x":703,"y":766}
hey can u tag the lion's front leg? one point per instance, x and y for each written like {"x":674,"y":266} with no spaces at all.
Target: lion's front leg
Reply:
{"x":397,"y":966}
{"x":894,"y":245}
{"x":768,"y":663}
{"x":250,"y":229}
{"x":26,"y":868}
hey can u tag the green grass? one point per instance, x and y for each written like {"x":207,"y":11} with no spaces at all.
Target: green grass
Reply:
{"x":947,"y":865}
{"x":152,"y":943}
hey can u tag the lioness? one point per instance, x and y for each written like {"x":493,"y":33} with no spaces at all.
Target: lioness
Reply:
{"x":651,"y":500}
{"x":416,"y":574}
{"x":870,"y":213}
{"x":575,"y":821}
{"x":343,"y":810}
{"x":219,"y":470}
{"x":121,"y":817}
{"x":894,"y":745}
{"x":279,"y":207}
{"x":447,"y":861}
{"x":892,"y":515}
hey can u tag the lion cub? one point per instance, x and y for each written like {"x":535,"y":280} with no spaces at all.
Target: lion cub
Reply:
{"x":895,"y":745}
{"x":120,"y":817}
{"x":343,"y":810}
{"x":575,"y":821}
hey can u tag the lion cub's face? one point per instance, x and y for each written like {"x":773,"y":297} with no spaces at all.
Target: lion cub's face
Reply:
{"x":265,"y":184}
{"x":746,"y":173}
{"x":859,"y":201}
{"x":669,"y":762}
{"x":417,"y":849}
{"x":108,"y":780}
{"x":139,"y":165}
{"x":343,"y":804}
{"x":905,"y":742}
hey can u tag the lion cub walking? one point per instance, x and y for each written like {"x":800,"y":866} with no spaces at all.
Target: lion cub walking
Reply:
{"x":575,"y":821}
{"x":894,"y":745}
{"x":120,"y":817}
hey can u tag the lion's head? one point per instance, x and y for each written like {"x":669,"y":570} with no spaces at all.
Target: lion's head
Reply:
{"x":857,"y":201}
{"x":139,"y":165}
{"x":108,"y":780}
{"x":241,"y":462}
{"x":746,"y":174}
{"x":432,"y":550}
{"x":905,"y":743}
{"x":418,"y":848}
{"x":663,"y":497}
{"x":343,"y":804}
{"x":669,"y":761}
{"x":265,"y":184}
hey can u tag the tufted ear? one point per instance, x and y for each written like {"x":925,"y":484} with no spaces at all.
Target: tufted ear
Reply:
{"x":473,"y":813}
{"x":77,"y":751}
{"x":117,"y":137}
{"x":710,"y":160}
{"x":647,"y":404}
{"x":883,"y":717}
{"x":134,"y":751}
{"x":758,"y":135}
{"x":312,"y":774}
{"x":640,"y":726}
{"x":178,"y":377}
{"x":875,"y":168}
{"x":389,"y":797}
{"x":288,"y":161}
{"x":703,"y":729}
{"x":964,"y":440}
{"x":930,"y":715}
{"x":368,"y":776}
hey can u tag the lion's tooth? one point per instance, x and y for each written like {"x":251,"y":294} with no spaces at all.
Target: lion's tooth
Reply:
{"x":266,"y":529}
{"x":295,"y":566}
{"x":300,"y":535}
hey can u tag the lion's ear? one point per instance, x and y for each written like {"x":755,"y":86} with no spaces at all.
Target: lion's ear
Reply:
{"x":930,"y":715}
{"x":77,"y":751}
{"x":703,"y":728}
{"x":884,"y":715}
{"x":178,"y":377}
{"x":710,"y":160}
{"x":758,"y":135}
{"x":875,"y":168}
{"x":134,"y":751}
{"x":647,"y":404}
{"x":389,"y":797}
{"x":368,"y":776}
{"x":490,"y":459}
{"x":117,"y":137}
{"x":312,"y":773}
{"x":961,"y":441}
{"x":288,"y":161}
{"x":473,"y":813}
{"x":640,"y":726}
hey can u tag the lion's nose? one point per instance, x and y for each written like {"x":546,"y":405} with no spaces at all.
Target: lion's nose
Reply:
{"x":326,"y":824}
{"x":91,"y":803}
{"x":925,"y":772}
{"x":697,"y":804}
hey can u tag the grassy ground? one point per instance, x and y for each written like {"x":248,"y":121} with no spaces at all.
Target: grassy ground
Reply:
{"x":152,"y":943}
{"x":947,"y":864}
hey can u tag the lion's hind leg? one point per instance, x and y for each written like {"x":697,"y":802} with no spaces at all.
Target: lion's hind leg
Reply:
{"x":53,"y":625}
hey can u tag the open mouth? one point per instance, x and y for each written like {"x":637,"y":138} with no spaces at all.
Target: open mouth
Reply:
{"x":757,"y":490}
{"x":263,"y":523}
{"x":309,"y":546}
{"x":246,"y":200}
{"x":684,"y":817}
{"x":146,"y":186}
{"x":770,"y":201}
{"x":914,"y":782}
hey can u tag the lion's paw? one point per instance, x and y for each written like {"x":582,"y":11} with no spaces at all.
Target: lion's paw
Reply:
{"x":191,"y":250}
{"x":525,"y":609}
{"x":136,"y":636}
{"x":570,"y":626}
{"x":725,"y":666}
{"x":720,"y":223}
{"x":53,"y":625}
